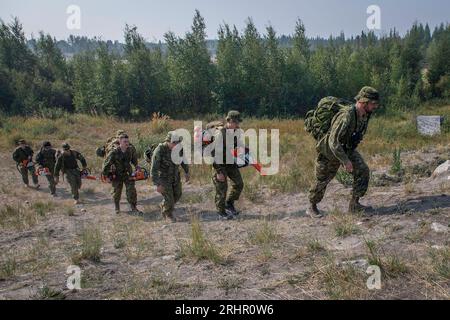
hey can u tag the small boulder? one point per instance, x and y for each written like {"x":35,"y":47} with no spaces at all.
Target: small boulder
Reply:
{"x":443,"y":169}
{"x":439,"y":228}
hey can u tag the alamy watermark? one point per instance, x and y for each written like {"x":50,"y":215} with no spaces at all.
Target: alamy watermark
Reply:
{"x":239,"y":147}
{"x":73,"y":21}
{"x":374,"y":281}
{"x":374,"y":20}
{"x":74,"y":279}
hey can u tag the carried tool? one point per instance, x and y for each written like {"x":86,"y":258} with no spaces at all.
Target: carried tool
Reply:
{"x":140,"y":174}
{"x":247,"y":160}
{"x":43,"y":172}
{"x":207,"y":138}
{"x":86,"y":174}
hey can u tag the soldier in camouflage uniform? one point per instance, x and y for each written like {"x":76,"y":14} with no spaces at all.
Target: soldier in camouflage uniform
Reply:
{"x":23,"y":156}
{"x":166,"y":174}
{"x":113,"y":143}
{"x":338,"y":147}
{"x":118,"y":161}
{"x":67,"y":163}
{"x":223,"y":172}
{"x":46,"y":158}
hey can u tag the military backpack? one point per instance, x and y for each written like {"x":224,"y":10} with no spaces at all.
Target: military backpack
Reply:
{"x":148,"y":154}
{"x":318,"y":121}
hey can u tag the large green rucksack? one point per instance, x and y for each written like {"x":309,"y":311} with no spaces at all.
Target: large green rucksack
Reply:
{"x":318,"y":121}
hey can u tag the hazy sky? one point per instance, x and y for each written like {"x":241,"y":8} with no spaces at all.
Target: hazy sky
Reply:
{"x":106,"y":18}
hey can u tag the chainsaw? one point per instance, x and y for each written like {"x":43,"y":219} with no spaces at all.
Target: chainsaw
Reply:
{"x":139,"y":175}
{"x":43,"y":172}
{"x":27,"y":163}
{"x":109,"y":177}
{"x":247,"y":160}
{"x":86,"y":174}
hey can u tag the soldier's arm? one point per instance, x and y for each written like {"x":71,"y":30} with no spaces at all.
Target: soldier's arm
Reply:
{"x":58,"y":166}
{"x":82,"y":160}
{"x":30,"y":153}
{"x":185,"y":167}
{"x":337,"y":135}
{"x":40,"y":158}
{"x":15,"y":156}
{"x":134,"y":157}
{"x":156,"y":164}
{"x":107,"y":163}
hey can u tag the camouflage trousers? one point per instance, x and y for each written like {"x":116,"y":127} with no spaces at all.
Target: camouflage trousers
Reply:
{"x":51,"y":184}
{"x":237,"y":184}
{"x":326,"y":170}
{"x":171,"y":194}
{"x":74,"y":179}
{"x":130,"y":190}
{"x":24,"y":173}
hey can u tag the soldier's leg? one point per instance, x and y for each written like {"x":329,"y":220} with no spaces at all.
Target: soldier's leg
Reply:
{"x":34,"y":177}
{"x":221,"y":192}
{"x":168,"y":203}
{"x":361,"y":175}
{"x":237,"y":184}
{"x":325,"y":172}
{"x":72,"y":180}
{"x":116,"y":191}
{"x":78,"y":183}
{"x":24,"y":174}
{"x":177,"y":191}
{"x":51,"y":184}
{"x":130,"y":189}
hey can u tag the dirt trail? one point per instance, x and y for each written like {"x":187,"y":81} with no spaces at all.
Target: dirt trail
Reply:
{"x":140,"y":255}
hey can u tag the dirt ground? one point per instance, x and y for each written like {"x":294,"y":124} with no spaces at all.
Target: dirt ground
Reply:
{"x":272,"y":251}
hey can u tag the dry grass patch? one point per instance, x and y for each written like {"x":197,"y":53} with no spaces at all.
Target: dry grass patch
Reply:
{"x":199,"y":247}
{"x":91,"y":246}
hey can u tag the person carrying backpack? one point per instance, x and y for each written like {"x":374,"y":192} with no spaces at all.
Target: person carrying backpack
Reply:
{"x":46,"y":159}
{"x":23,"y":156}
{"x":339,"y":127}
{"x":67,"y":162}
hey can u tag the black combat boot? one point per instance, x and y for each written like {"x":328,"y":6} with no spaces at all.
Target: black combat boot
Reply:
{"x":313,"y":211}
{"x":117,"y":207}
{"x":135,"y":210}
{"x":230,"y":209}
{"x":225,"y":215}
{"x":354,"y":206}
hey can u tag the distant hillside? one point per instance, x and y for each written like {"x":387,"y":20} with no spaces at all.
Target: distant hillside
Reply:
{"x":75,"y":44}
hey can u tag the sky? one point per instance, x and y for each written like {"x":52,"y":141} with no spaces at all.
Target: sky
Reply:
{"x":107,"y":18}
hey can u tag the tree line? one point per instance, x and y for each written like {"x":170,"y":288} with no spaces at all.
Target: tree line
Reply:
{"x":255,"y":73}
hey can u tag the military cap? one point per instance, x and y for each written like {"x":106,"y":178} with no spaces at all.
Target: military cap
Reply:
{"x":65,"y":146}
{"x":368,"y":94}
{"x":21,"y":141}
{"x":234,"y":115}
{"x":46,"y":144}
{"x":173,"y":137}
{"x":120,"y":132}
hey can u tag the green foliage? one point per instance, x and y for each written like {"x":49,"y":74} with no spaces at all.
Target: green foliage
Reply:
{"x":396,"y":167}
{"x":260,"y":74}
{"x":344,"y":178}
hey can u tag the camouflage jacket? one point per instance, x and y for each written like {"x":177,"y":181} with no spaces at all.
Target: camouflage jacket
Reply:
{"x":346,"y":132}
{"x":163,"y":168}
{"x":68,"y":161}
{"x":221,"y":135}
{"x":113,"y":143}
{"x":47,"y":158}
{"x":120,"y":162}
{"x":20,"y":154}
